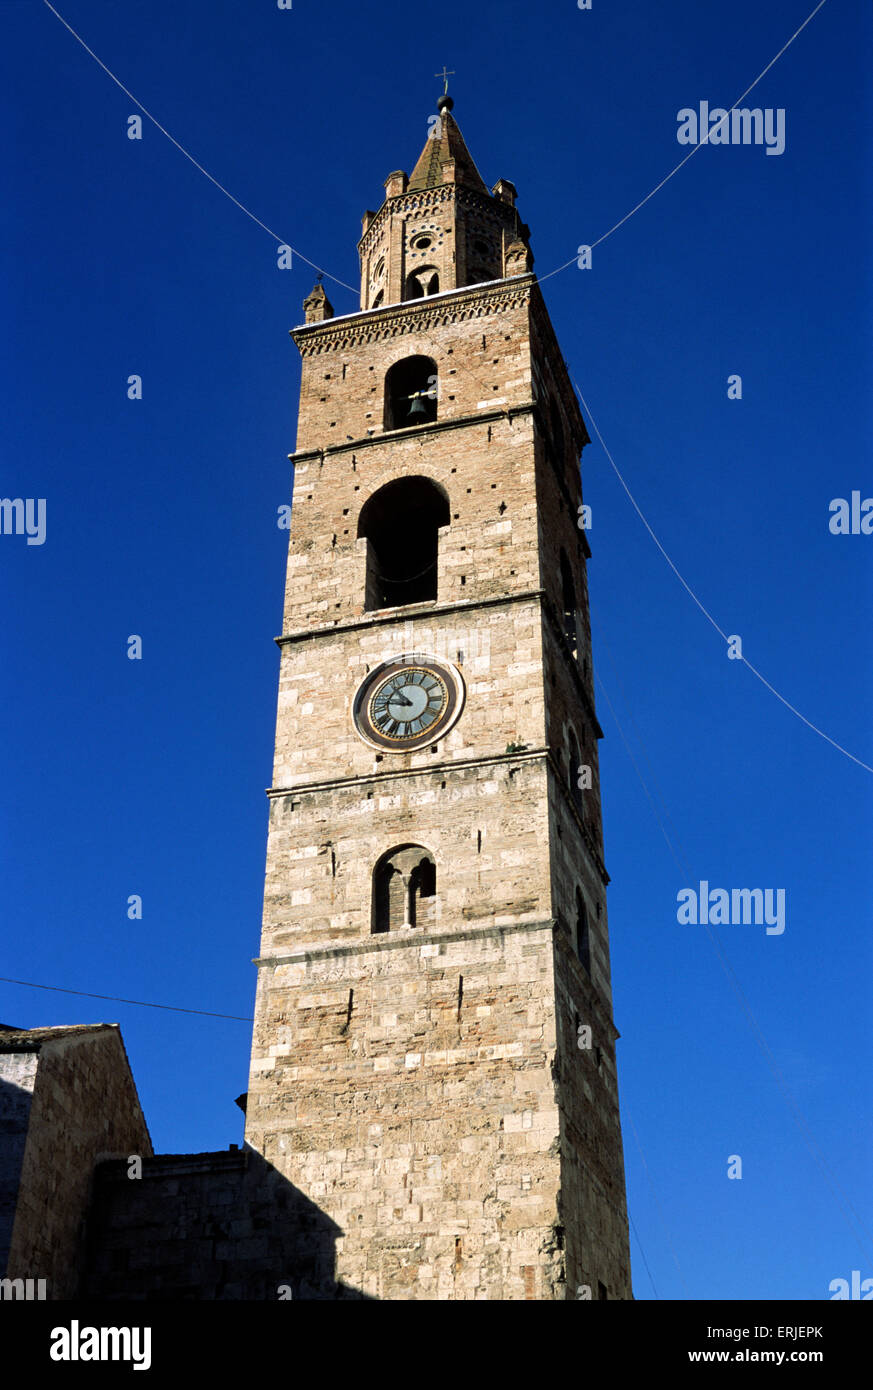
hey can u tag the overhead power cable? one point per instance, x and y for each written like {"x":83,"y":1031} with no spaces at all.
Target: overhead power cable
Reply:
{"x":643,"y":1253}
{"x":660,"y":1209}
{"x":282,"y":242}
{"x":705,"y":611}
{"x":116,"y":999}
{"x":181,"y":148}
{"x":693,"y":151}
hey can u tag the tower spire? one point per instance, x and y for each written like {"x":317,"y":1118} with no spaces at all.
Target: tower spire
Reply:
{"x":445,"y":144}
{"x":440,"y":228}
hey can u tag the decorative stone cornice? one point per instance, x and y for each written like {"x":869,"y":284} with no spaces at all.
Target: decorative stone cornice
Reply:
{"x":454,"y":422}
{"x":528,"y":755}
{"x":429,"y":608}
{"x":415,"y":316}
{"x":394,"y":941}
{"x":419,"y":200}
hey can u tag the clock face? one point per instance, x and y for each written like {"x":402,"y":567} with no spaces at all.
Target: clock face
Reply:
{"x":408,"y":703}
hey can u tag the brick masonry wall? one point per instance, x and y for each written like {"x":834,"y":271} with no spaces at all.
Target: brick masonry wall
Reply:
{"x":477,"y":450}
{"x":455,"y":218}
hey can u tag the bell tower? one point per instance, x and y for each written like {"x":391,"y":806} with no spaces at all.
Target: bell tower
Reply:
{"x":433,"y":1061}
{"x":418,"y":244}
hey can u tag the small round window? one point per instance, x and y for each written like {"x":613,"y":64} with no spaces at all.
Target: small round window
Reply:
{"x":421,"y":243}
{"x":380,"y":266}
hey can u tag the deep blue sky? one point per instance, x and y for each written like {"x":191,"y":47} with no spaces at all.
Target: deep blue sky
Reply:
{"x":147,"y":777}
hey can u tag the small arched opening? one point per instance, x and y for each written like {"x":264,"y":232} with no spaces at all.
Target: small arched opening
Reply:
{"x":404,"y":889}
{"x":411,"y":393}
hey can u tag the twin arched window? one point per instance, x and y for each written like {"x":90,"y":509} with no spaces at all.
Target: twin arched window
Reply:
{"x":404,"y":889}
{"x":421,"y":282}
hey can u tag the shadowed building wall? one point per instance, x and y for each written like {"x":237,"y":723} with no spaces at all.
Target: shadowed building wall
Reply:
{"x":67,"y":1101}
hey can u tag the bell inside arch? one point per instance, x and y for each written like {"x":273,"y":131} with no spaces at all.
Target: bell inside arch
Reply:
{"x":417,"y":407}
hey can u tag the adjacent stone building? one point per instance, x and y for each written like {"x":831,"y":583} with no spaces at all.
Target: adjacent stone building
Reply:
{"x":67,"y":1102}
{"x":433,"y":1105}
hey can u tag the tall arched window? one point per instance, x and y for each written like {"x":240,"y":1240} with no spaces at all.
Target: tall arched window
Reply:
{"x":421,"y":282}
{"x":410,"y":393}
{"x":404,"y":889}
{"x":401,"y":523}
{"x":568,"y":604}
{"x":583,"y":944}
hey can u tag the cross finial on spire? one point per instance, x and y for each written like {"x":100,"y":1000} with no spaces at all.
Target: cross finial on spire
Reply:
{"x":445,"y":75}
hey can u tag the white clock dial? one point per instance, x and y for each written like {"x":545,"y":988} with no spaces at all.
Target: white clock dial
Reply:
{"x":408,"y":702}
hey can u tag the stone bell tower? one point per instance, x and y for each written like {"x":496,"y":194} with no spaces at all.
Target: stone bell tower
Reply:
{"x":433,"y":1061}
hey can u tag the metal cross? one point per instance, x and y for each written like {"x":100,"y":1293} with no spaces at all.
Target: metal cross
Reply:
{"x":445,"y":75}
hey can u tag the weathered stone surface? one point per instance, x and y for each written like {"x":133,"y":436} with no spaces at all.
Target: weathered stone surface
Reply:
{"x":424,"y":1086}
{"x":212,"y":1226}
{"x":83,"y":1108}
